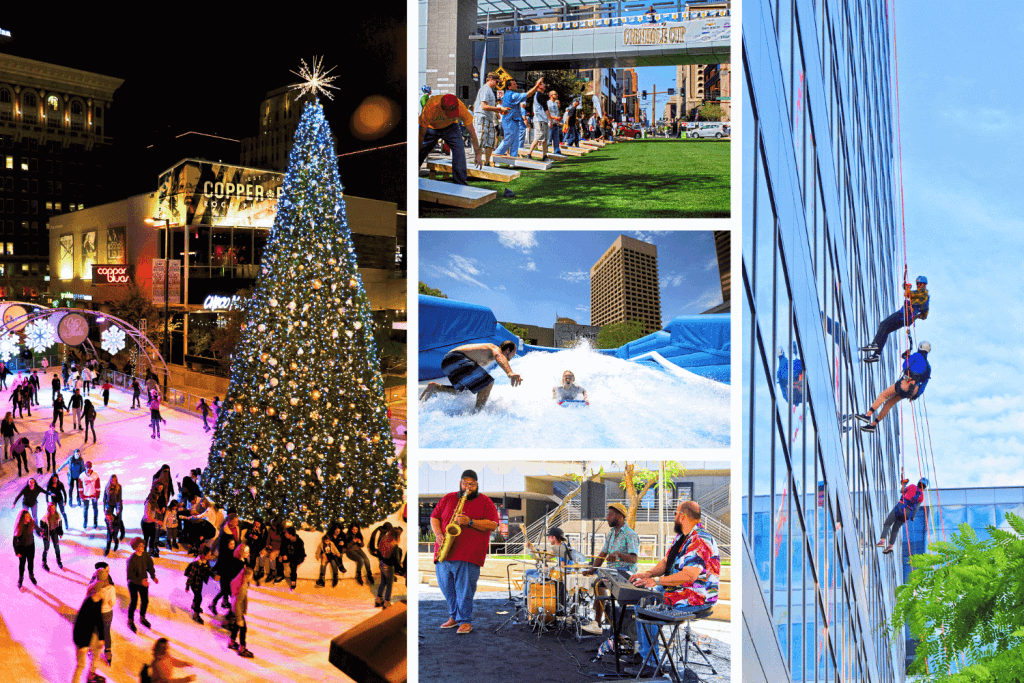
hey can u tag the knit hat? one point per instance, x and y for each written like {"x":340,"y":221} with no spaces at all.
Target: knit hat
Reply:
{"x":469,"y":474}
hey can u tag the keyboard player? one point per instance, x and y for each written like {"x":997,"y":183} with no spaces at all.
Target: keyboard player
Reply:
{"x":621,"y":547}
{"x":688,"y":574}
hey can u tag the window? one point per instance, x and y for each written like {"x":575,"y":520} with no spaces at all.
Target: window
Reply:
{"x":9,"y":162}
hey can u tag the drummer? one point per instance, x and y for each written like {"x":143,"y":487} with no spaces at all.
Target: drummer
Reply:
{"x":560,"y":549}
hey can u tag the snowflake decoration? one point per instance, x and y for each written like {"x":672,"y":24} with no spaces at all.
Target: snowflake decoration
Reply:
{"x":317,"y":81}
{"x":9,"y":347}
{"x":40,"y":335}
{"x":112,"y":339}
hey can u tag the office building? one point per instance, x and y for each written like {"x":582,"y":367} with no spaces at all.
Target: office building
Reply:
{"x":624,"y":285}
{"x":819,"y":271}
{"x":53,"y":145}
{"x":278,"y":118}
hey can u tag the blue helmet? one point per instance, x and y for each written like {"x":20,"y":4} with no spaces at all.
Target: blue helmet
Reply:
{"x":426,"y":89}
{"x":921,"y":279}
{"x":923,"y":483}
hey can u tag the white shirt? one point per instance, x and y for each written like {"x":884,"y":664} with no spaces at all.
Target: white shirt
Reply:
{"x":109,"y":596}
{"x":485,"y":96}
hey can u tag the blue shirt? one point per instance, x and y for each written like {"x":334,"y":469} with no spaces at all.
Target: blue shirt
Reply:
{"x":512,"y":100}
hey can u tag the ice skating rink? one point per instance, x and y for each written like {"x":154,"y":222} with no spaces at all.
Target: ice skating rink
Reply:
{"x":289,"y":632}
{"x":632,"y":405}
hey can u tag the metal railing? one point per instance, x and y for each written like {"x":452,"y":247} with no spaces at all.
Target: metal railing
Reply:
{"x":595,"y":16}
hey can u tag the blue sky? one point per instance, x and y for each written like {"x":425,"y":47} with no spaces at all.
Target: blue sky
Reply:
{"x":962,"y":122}
{"x":664,"y":77}
{"x":533,"y":277}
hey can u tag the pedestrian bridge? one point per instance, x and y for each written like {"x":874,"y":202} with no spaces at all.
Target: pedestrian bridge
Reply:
{"x":620,"y":42}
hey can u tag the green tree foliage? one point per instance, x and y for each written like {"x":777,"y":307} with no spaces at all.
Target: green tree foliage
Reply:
{"x":711,"y":112}
{"x":304,"y":432}
{"x":520,"y":332}
{"x":565,"y":82}
{"x":430,"y":291}
{"x":614,"y":335}
{"x":963,"y":603}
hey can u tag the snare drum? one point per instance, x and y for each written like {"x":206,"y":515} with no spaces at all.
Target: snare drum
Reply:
{"x":542,"y":595}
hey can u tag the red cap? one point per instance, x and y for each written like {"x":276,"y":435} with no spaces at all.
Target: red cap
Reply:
{"x":449,"y":102}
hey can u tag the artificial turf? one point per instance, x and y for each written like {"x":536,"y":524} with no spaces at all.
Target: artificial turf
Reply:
{"x":638,"y":179}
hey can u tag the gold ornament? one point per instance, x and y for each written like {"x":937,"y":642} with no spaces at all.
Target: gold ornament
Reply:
{"x":316,"y":284}
{"x":271,"y":411}
{"x":315,"y":394}
{"x":238,"y":407}
{"x":253,"y":409}
{"x":294,"y":401}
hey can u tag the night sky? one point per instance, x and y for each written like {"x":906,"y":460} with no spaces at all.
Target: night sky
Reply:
{"x":190,"y":68}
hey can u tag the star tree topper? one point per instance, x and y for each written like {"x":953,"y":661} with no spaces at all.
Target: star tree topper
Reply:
{"x":317,"y":81}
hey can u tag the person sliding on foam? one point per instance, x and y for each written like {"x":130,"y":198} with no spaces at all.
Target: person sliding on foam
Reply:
{"x":915,"y":307}
{"x":916,"y":373}
{"x":568,"y":390}
{"x":907,"y":506}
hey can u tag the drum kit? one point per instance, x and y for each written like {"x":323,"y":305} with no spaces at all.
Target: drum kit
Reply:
{"x":554,"y":597}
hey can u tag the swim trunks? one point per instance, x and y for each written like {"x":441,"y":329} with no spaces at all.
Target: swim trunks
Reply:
{"x":464,"y":373}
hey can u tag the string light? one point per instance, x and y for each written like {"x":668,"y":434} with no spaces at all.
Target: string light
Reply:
{"x":316,"y":81}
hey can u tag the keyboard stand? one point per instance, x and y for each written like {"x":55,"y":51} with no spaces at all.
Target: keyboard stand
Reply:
{"x":617,"y":613}
{"x":689,"y":641}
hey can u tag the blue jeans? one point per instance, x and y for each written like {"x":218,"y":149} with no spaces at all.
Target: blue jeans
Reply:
{"x":95,"y":512}
{"x":457,"y":581}
{"x":556,"y":137}
{"x":645,"y":644}
{"x":510,"y":143}
{"x":453,"y":136}
{"x":887,"y":327}
{"x":572,"y":137}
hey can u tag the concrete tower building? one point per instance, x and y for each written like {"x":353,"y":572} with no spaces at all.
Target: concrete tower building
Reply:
{"x":624,"y":285}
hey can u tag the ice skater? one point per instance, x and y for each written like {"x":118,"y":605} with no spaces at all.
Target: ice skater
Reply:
{"x":162,"y":668}
{"x":52,"y":530}
{"x":113,"y":509}
{"x":76,"y":468}
{"x":390,"y":556}
{"x":107,"y":386}
{"x":7,"y":430}
{"x":328,"y":553}
{"x":240,"y":603}
{"x":204,"y":408}
{"x":25,"y":546}
{"x":57,"y":494}
{"x":198,"y":573}
{"x":20,"y":452}
{"x":89,"y":492}
{"x":154,"y":414}
{"x":29,"y":494}
{"x":88,"y":631}
{"x":58,"y":411}
{"x":136,"y":393}
{"x":89,"y":415}
{"x":139,"y":564}
{"x":354,"y":551}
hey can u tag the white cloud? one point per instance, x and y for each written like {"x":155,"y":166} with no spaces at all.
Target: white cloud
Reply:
{"x":575,"y":276}
{"x":530,"y":265}
{"x":649,"y":235}
{"x":461,"y":269}
{"x":523,"y":240}
{"x":711,"y":297}
{"x":712,"y":263}
{"x":671,"y":280}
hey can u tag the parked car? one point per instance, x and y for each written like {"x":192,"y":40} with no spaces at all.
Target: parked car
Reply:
{"x":629,"y":131}
{"x":710,"y":130}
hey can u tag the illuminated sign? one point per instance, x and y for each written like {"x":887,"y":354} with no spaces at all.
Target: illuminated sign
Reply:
{"x":111,"y":275}
{"x":196,"y":192}
{"x":76,"y":297}
{"x":220,"y":302}
{"x":222,"y":190}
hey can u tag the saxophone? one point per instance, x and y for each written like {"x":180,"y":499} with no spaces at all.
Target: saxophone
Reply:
{"x":451,"y":531}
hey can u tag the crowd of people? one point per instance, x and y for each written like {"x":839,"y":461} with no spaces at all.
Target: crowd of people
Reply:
{"x":236,"y":553}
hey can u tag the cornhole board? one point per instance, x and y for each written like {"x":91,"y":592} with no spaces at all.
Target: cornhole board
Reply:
{"x":591,"y":144}
{"x":444,"y":165}
{"x":538,"y":155}
{"x":523,"y":163}
{"x":573,"y":152}
{"x":450,"y":194}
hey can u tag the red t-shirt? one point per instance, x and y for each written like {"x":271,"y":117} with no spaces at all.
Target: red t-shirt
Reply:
{"x":472,"y":544}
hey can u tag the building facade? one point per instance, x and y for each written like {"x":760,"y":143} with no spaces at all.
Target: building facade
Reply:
{"x":624,"y":285}
{"x":819,"y":272}
{"x":218,"y":219}
{"x":53,"y":145}
{"x":279,"y":116}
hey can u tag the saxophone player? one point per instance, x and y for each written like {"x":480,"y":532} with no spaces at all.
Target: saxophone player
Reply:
{"x":458,"y":572}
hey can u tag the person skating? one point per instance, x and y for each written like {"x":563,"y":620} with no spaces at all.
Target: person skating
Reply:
{"x":226,"y":569}
{"x":328,"y":553}
{"x":89,"y":420}
{"x":910,"y":497}
{"x":171,"y":525}
{"x":57,"y":494}
{"x":107,"y":386}
{"x":7,"y":430}
{"x":136,"y":393}
{"x":25,"y":546}
{"x":916,"y":373}
{"x":204,"y":409}
{"x":915,"y":307}
{"x":153,"y":517}
{"x":240,"y":602}
{"x":154,"y":415}
{"x":41,"y":459}
{"x":76,"y":409}
{"x":55,"y":384}
{"x":87,"y":632}
{"x":89,"y":492}
{"x":52,"y":530}
{"x":29,"y":494}
{"x":87,"y":380}
{"x":107,"y":603}
{"x":20,"y":452}
{"x":76,"y":468}
{"x":162,"y":668}
{"x":293,"y":553}
{"x":51,"y":440}
{"x":198,"y":573}
{"x":354,"y":550}
{"x":58,"y":411}
{"x":139,"y":564}
{"x":113,"y":509}
{"x":390,"y":556}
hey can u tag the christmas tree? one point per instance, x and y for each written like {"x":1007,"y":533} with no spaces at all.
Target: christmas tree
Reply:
{"x":304,"y":432}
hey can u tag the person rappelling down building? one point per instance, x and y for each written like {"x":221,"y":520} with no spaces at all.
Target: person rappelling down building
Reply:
{"x":916,"y":373}
{"x":915,"y":307}
{"x":906,"y":507}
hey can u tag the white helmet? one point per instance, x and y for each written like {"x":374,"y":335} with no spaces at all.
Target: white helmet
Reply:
{"x":924,"y":346}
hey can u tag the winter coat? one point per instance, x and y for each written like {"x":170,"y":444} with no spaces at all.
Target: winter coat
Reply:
{"x":58,"y":494}
{"x":52,"y":526}
{"x":327,"y":547}
{"x":112,"y":502}
{"x":76,"y":467}
{"x":51,"y":439}
{"x":89,"y":485}
{"x":198,"y":574}
{"x":295,"y":550}
{"x":8,"y":428}
{"x":88,"y":621}
{"x":30,"y":495}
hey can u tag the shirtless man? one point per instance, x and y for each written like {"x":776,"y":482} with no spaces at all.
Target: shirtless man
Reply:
{"x":464,"y":366}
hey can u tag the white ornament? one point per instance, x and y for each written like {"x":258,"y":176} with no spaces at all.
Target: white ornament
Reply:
{"x":8,"y":347}
{"x":112,"y":339}
{"x":40,"y":335}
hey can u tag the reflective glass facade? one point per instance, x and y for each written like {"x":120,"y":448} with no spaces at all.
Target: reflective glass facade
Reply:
{"x":819,"y":272}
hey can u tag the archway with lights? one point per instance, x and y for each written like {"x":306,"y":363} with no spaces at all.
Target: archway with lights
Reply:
{"x":43,"y":327}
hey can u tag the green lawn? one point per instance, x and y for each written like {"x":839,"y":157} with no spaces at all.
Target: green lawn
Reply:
{"x":640,"y":179}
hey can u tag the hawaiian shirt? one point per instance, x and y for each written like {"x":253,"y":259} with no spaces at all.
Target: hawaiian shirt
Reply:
{"x":622,"y":540}
{"x":698,"y":550}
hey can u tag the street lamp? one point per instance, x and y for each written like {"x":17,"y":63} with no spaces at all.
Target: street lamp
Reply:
{"x":167,"y":270}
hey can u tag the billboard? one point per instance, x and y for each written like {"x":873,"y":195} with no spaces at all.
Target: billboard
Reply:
{"x":197,"y":192}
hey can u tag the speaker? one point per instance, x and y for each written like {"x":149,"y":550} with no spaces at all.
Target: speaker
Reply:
{"x":374,"y":651}
{"x":514,"y":503}
{"x":463,"y":92}
{"x":592,"y":503}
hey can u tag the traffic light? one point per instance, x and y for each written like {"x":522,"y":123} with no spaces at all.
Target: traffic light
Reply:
{"x":643,"y":94}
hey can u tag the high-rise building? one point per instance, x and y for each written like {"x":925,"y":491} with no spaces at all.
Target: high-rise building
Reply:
{"x":279,"y":115}
{"x":53,"y":143}
{"x":819,"y":271}
{"x":624,"y":285}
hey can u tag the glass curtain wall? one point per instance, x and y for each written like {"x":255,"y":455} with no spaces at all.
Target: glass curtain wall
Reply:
{"x":819,"y":272}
